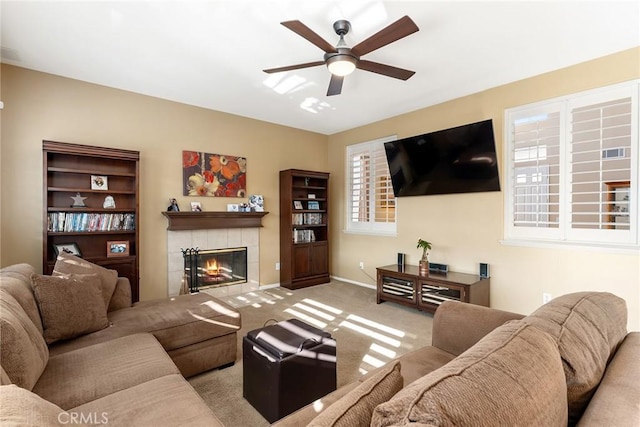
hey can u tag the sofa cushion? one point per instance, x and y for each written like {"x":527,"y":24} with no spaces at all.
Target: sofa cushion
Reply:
{"x":69,"y":305}
{"x":77,"y":377}
{"x":616,"y":402}
{"x":168,"y":401}
{"x":20,"y":407}
{"x":176,"y":322}
{"x":513,"y":376}
{"x":71,"y":264}
{"x":181,"y":320}
{"x":357,"y":406}
{"x":588,"y":327}
{"x":23,"y":353}
{"x":16,"y":279}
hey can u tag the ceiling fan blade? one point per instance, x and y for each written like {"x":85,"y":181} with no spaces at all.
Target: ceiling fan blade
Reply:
{"x":303,"y":31}
{"x":293,"y":67}
{"x":385,"y":70}
{"x":335,"y":85}
{"x":399,"y":29}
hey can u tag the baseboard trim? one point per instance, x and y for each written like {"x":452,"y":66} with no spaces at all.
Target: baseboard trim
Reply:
{"x":353,"y":282}
{"x":269,"y":286}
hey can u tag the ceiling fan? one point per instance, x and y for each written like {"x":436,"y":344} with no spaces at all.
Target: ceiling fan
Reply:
{"x":343,"y":60}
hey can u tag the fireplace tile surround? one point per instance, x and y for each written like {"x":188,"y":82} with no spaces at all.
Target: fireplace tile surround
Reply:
{"x":219,"y":238}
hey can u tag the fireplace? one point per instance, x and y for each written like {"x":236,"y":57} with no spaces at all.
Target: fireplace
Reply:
{"x":212,"y":268}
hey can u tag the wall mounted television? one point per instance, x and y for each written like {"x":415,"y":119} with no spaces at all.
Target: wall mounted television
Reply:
{"x":457,"y":160}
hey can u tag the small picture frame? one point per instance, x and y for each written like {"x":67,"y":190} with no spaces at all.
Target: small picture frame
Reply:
{"x":233,"y":207}
{"x":297,"y":204}
{"x":117,"y":248}
{"x":67,"y":248}
{"x":196,"y":207}
{"x":99,"y":182}
{"x":313,"y":205}
{"x":311,"y":196}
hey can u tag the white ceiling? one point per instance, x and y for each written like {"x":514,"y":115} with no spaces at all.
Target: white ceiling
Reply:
{"x":211,"y":53}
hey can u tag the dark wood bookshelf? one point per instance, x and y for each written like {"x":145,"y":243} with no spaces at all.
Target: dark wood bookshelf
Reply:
{"x":304,"y":246}
{"x":67,"y":170}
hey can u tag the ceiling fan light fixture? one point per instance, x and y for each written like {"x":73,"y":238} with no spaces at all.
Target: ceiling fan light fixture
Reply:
{"x":341,"y":65}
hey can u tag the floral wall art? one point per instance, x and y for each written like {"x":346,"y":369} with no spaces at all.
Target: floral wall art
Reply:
{"x":214,"y":175}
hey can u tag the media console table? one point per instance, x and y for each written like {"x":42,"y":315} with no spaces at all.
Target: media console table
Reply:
{"x":403,"y":284}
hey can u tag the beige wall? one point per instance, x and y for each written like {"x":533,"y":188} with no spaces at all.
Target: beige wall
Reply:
{"x":466,"y":228}
{"x":41,"y":106}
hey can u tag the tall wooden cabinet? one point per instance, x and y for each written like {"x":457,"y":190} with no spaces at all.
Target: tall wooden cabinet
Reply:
{"x":104,"y":235}
{"x":304,"y":228}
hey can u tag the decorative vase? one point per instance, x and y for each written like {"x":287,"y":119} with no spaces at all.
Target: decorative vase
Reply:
{"x":423,"y":267}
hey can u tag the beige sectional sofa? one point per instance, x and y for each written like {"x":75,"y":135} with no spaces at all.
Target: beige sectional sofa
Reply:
{"x":111,"y":362}
{"x":571,"y":362}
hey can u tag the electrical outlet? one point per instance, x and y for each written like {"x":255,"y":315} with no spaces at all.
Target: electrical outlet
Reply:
{"x":546,"y":297}
{"x":277,"y":266}
{"x":361,"y":265}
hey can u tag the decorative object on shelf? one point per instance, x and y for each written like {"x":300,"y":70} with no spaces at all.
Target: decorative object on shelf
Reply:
{"x":297,"y":204}
{"x":244,"y":207}
{"x":214,"y":175}
{"x":173,"y":206}
{"x":117,"y":248}
{"x":99,"y":182}
{"x":196,"y":207}
{"x":256,"y":203}
{"x":311,"y":196}
{"x":233,"y":207}
{"x":109,"y":203}
{"x":423,"y":265}
{"x":313,"y":205}
{"x":78,"y":201}
{"x":67,"y":248}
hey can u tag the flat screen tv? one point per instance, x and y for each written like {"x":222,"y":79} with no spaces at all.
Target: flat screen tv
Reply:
{"x":457,"y":160}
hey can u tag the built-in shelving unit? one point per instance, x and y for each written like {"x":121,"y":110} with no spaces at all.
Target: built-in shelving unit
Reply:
{"x":68,"y":170}
{"x":304,"y":228}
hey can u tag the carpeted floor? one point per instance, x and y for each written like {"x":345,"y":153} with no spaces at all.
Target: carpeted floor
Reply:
{"x":367,"y":336}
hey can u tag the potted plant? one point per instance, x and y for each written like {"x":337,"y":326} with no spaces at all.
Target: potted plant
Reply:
{"x":423,"y":265}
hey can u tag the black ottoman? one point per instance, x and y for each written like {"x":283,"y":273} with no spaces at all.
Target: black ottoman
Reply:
{"x":287,"y":366}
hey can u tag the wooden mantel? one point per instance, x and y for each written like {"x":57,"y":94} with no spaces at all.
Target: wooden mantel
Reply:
{"x":207,"y":220}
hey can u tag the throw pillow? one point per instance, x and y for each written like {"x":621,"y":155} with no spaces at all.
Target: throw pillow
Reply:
{"x":23,"y":352}
{"x":20,"y":407}
{"x":588,"y":328}
{"x":356,"y":407}
{"x":71,"y":264}
{"x":513,"y":376}
{"x":69,"y":305}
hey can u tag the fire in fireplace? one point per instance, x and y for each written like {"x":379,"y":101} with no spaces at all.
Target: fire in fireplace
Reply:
{"x":212,"y":268}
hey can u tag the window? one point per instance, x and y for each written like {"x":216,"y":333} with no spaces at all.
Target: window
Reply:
{"x":371,"y":205}
{"x":572,"y":169}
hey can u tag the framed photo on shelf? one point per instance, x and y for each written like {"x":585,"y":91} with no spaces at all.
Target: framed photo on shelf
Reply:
{"x":67,"y":248}
{"x":117,"y":248}
{"x":313,"y":205}
{"x":311,"y":196}
{"x":297,"y":204}
{"x":196,"y":207}
{"x":99,"y":182}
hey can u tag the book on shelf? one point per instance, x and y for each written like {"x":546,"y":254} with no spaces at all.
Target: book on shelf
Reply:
{"x":68,"y":222}
{"x":303,"y":236}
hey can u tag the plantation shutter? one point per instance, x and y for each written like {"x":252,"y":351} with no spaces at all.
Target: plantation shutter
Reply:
{"x":573,"y":168}
{"x":360,"y":170}
{"x":600,"y":158}
{"x":371,"y":204}
{"x":535,"y":170}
